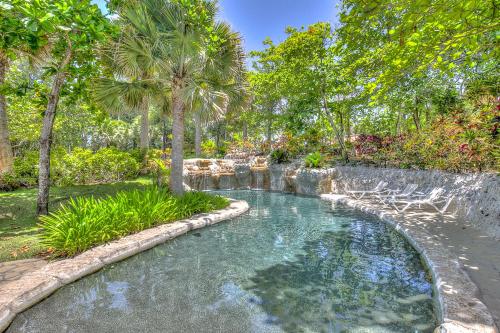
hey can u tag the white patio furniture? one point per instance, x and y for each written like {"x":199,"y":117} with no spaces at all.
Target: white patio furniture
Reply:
{"x":433,"y":199}
{"x":406,"y":193}
{"x":379,"y":189}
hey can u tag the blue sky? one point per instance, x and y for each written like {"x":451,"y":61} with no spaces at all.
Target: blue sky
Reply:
{"x":258,"y":19}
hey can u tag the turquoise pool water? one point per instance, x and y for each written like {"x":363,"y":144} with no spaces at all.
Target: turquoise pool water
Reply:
{"x":292,"y":264}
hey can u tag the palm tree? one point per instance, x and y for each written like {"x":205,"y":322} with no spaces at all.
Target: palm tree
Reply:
{"x":188,"y":50}
{"x":132,"y":87}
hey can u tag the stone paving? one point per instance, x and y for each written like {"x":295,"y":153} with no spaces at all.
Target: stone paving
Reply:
{"x":453,"y":250}
{"x":19,"y":292}
{"x":13,"y":270}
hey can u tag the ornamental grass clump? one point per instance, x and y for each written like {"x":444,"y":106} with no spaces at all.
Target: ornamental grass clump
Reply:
{"x":86,"y":222}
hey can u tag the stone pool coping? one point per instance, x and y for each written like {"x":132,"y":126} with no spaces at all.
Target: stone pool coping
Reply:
{"x":459,"y":309}
{"x":19,"y":295}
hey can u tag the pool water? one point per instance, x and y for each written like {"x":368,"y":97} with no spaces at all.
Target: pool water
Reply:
{"x":292,"y":264}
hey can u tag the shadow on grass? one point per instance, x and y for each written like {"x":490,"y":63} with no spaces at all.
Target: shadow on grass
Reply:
{"x":17,"y":209}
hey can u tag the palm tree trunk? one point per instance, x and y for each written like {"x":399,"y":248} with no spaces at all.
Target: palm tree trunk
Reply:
{"x":46,"y":137}
{"x":164,"y":139}
{"x":144,"y":140}
{"x":176,"y":174}
{"x":197,"y":134}
{"x":6,"y":156}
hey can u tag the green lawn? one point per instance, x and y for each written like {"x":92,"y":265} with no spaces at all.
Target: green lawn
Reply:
{"x":18,"y":223}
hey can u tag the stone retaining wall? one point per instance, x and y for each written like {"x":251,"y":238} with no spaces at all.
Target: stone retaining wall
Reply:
{"x":477,"y":196}
{"x":19,"y":295}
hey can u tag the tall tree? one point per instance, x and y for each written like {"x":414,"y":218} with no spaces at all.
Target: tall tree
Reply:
{"x":132,"y":67}
{"x":189,"y":49}
{"x":73,"y":27}
{"x":14,"y":39}
{"x":387,"y":40}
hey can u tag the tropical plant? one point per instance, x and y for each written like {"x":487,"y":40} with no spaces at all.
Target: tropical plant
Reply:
{"x":280,"y":156}
{"x":314,"y":160}
{"x":190,"y":52}
{"x":86,"y":222}
{"x":209,"y":148}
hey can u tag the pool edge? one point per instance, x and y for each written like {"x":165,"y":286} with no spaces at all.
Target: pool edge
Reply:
{"x":19,"y":295}
{"x":455,"y":292}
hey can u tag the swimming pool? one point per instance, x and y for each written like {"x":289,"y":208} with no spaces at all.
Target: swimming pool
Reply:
{"x":292,"y":264}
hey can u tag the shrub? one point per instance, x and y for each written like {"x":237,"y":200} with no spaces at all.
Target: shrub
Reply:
{"x":208,"y":148}
{"x":80,"y":167}
{"x":9,"y":182}
{"x":279,"y":156}
{"x":26,"y":169}
{"x":161,"y":171}
{"x":367,"y":144}
{"x":314,"y":160}
{"x":107,"y":165}
{"x":86,"y":222}
{"x":112,"y":165}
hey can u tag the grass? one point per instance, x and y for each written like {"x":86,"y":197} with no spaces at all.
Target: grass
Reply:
{"x":85,"y":222}
{"x":19,"y":232}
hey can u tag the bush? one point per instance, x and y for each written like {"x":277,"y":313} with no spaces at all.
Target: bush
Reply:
{"x":9,"y":182}
{"x":26,"y":169}
{"x":314,"y":160}
{"x":279,"y":156}
{"x":208,"y":148}
{"x":87,"y":222}
{"x":107,"y":165}
{"x":80,"y":167}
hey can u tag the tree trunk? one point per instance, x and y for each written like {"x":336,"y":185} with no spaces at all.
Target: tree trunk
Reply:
{"x":269,"y":131}
{"x":398,"y":122}
{"x":164,"y":140}
{"x":197,"y":134}
{"x":245,"y":131}
{"x":46,"y":137}
{"x":416,"y":114}
{"x":6,"y":156}
{"x":144,"y":140}
{"x":338,"y":134}
{"x":176,"y":173}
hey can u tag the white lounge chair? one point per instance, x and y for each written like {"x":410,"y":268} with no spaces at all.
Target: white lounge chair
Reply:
{"x":392,"y":195}
{"x":379,"y":189}
{"x":432,"y":199}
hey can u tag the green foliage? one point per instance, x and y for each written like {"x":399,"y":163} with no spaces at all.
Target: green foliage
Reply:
{"x":160,"y":171}
{"x":19,"y":228}
{"x":456,"y":143}
{"x":280,"y":156}
{"x":80,"y":167}
{"x":314,"y":160}
{"x":87,"y":222}
{"x":107,"y":165}
{"x":392,"y":40}
{"x":208,"y":148}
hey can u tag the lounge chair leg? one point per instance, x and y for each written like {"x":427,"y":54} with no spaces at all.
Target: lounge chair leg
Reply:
{"x":406,"y":207}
